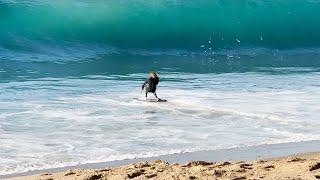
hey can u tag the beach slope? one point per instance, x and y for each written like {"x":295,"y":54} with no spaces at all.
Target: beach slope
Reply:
{"x":301,"y":166}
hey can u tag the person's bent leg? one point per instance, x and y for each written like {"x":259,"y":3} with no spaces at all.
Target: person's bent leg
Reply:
{"x":146,"y":95}
{"x":155,"y":94}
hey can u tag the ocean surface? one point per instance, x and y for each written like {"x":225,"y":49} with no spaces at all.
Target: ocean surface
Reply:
{"x":235,"y":73}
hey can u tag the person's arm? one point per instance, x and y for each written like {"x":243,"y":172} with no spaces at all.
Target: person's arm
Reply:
{"x":144,"y":84}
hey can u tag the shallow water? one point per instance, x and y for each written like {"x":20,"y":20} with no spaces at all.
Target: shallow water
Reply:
{"x":54,"y":122}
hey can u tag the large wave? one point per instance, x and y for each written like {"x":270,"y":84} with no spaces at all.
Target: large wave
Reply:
{"x":151,"y":24}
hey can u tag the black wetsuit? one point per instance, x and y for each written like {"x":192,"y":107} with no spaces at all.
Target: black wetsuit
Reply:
{"x":151,"y":85}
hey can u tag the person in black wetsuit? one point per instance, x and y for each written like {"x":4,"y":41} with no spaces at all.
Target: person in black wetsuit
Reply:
{"x":150,"y":85}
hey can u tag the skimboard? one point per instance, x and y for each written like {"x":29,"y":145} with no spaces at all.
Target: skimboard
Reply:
{"x":151,"y":100}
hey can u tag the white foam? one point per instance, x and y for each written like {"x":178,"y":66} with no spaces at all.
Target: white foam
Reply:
{"x":50,"y":123}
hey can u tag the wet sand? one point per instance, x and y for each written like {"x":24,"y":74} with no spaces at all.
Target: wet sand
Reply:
{"x":278,"y":161}
{"x":301,"y":166}
{"x":277,"y":155}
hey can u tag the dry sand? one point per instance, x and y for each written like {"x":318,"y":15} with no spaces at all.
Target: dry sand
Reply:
{"x":302,"y":166}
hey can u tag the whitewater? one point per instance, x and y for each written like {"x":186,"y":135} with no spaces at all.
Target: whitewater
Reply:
{"x":233,"y":75}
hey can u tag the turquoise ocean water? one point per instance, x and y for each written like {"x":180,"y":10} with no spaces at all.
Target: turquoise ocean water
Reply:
{"x":235,"y":73}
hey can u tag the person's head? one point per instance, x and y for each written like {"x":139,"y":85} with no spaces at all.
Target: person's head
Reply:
{"x":153,"y":74}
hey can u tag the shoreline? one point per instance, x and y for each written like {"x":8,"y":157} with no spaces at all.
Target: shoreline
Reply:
{"x":300,"y":166}
{"x":250,"y":153}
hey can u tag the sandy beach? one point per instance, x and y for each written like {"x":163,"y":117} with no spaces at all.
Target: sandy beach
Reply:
{"x":301,"y":166}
